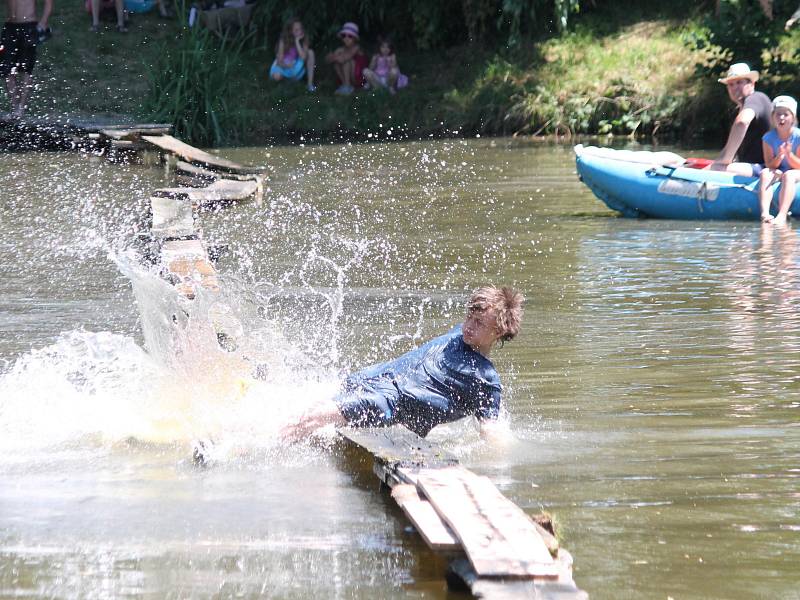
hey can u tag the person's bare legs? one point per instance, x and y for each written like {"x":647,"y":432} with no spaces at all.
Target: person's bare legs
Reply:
{"x":372,"y":79}
{"x":19,"y":88}
{"x":392,"y":80}
{"x":786,"y":196}
{"x":311,"y":62}
{"x":120,"y":8}
{"x":276,"y":76}
{"x":344,"y":71}
{"x":95,"y":15}
{"x":765,"y":181}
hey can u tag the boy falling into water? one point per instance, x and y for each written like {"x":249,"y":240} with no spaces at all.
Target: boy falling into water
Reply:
{"x":21,"y":33}
{"x":448,"y":378}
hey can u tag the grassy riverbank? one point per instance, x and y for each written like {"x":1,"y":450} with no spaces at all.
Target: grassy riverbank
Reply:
{"x":620,"y":69}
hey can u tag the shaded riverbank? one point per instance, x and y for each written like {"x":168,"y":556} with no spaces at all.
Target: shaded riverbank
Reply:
{"x":629,"y":70}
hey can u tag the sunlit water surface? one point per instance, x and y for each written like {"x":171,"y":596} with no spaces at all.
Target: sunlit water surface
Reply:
{"x":652,"y":396}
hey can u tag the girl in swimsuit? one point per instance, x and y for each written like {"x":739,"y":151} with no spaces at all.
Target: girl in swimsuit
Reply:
{"x":293,"y":57}
{"x":383,"y":71}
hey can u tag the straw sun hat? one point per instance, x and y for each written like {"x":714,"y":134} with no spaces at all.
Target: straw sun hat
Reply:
{"x":739,"y":71}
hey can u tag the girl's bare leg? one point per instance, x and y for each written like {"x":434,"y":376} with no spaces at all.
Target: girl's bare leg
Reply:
{"x":765,"y":182}
{"x":786,"y":195}
{"x":310,"y":64}
{"x":348,"y":69}
{"x":392,"y":79}
{"x":339,"y":69}
{"x":373,"y":80}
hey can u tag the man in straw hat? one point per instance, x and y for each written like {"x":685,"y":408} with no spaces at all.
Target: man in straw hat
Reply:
{"x":743,"y":153}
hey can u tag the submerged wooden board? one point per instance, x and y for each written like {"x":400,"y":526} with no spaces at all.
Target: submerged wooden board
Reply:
{"x":498,"y":537}
{"x":398,"y":447}
{"x":197,"y":156}
{"x":222,"y":190}
{"x":172,"y":218}
{"x":422,"y":515}
{"x":493,"y":589}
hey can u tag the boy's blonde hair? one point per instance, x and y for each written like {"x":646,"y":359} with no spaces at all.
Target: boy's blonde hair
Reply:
{"x":506,"y":303}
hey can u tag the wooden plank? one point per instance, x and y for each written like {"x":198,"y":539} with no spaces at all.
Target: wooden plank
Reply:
{"x":498,"y":537}
{"x":197,"y":156}
{"x":172,"y":218}
{"x":493,"y":589}
{"x":398,"y":447}
{"x":422,"y":515}
{"x":222,"y":190}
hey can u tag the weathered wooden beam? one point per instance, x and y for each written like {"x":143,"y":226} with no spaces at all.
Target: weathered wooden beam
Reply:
{"x":498,"y":537}
{"x":424,"y":517}
{"x":222,"y":190}
{"x":199,"y":157}
{"x":172,"y":218}
{"x":398,"y":447}
{"x":461,"y":575}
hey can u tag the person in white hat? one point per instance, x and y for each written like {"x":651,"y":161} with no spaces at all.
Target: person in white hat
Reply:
{"x":743,"y":153}
{"x":780,"y":146}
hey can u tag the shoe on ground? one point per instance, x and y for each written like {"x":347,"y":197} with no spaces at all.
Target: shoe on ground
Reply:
{"x":344,"y":90}
{"x":312,"y":87}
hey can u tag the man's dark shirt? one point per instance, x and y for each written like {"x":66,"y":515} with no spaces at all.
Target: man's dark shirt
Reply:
{"x":751,"y":150}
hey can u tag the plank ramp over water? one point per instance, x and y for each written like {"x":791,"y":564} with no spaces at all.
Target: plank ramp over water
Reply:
{"x":406,"y":462}
{"x":222,"y":190}
{"x":498,"y":537}
{"x":199,"y":157}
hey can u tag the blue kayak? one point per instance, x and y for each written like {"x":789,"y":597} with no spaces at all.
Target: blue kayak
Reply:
{"x":652,"y":184}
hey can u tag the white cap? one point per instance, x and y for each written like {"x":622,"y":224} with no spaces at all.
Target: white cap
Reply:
{"x":740,"y":71}
{"x":785,"y":102}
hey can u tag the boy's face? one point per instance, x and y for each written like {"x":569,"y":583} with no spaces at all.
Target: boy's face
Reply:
{"x":480,"y":329}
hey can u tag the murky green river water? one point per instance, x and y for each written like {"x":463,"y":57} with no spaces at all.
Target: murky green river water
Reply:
{"x":653,"y":394}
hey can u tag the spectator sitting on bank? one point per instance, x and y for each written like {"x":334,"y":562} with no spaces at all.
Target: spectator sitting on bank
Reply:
{"x":383,"y":71}
{"x":742,"y":153}
{"x":780,"y":159}
{"x":293,"y":56}
{"x":95,"y":7}
{"x":348,"y":60}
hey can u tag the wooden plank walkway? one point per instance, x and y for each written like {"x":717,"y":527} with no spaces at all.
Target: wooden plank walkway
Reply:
{"x":199,"y":157}
{"x":503,"y":553}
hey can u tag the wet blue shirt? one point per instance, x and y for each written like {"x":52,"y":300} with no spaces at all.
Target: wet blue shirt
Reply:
{"x":441,"y":381}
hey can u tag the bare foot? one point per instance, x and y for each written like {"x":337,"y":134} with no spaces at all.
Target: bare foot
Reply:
{"x":767,"y":218}
{"x":779,"y":220}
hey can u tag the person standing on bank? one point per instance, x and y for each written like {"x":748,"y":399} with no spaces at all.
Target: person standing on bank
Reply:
{"x":742,"y":153}
{"x":18,"y":40}
{"x":444,"y":380}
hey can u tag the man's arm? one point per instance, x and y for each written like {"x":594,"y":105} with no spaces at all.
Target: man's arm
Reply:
{"x":736,"y":135}
{"x":46,"y":11}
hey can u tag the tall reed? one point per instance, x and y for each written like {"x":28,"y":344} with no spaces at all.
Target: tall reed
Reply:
{"x":191,"y":82}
